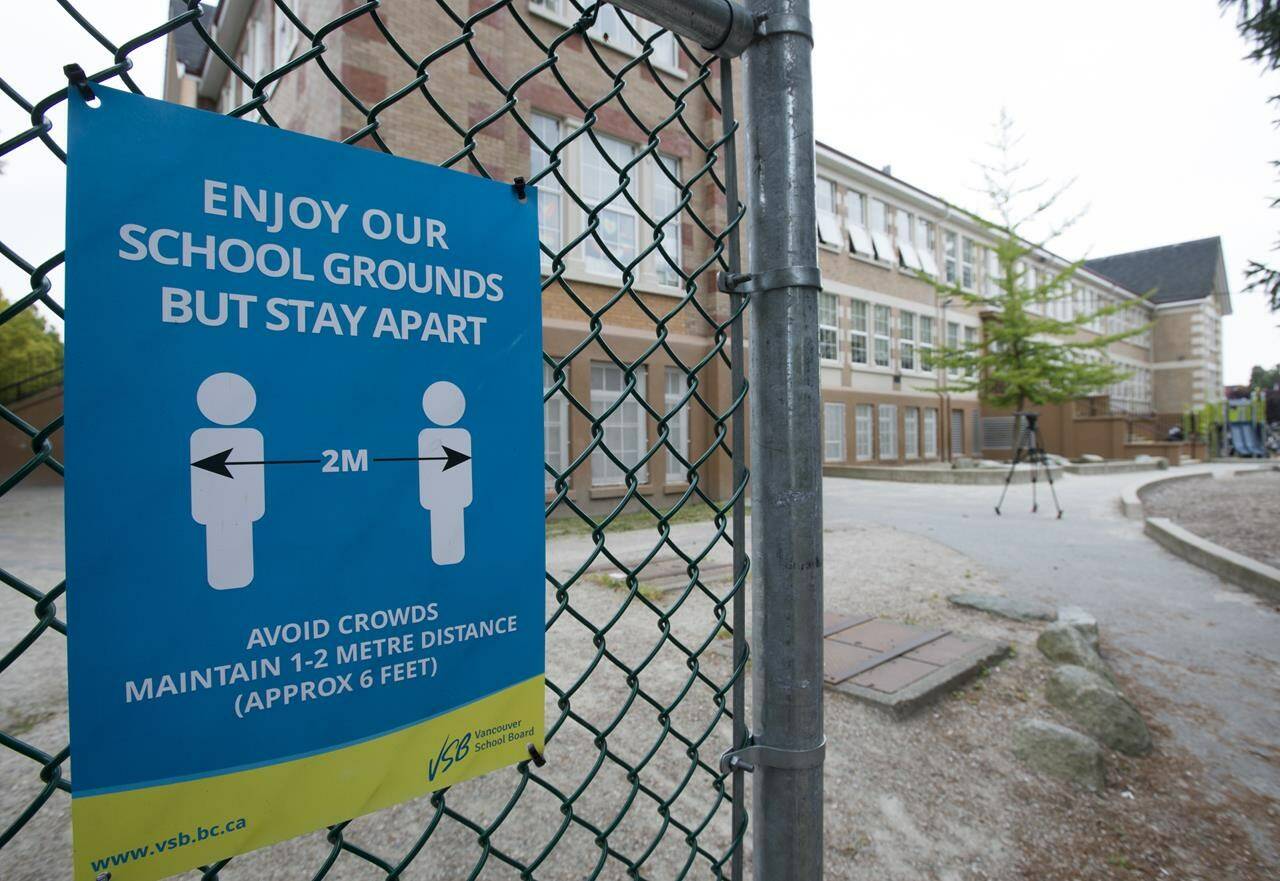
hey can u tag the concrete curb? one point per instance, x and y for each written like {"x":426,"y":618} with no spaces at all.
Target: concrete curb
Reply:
{"x":1085,"y":469}
{"x":1131,"y":496}
{"x":953,"y":476}
{"x":1240,"y":570}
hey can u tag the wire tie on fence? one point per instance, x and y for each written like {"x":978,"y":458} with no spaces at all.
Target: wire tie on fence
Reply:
{"x":770,"y":25}
{"x":519,"y":185}
{"x":771,"y":280}
{"x":752,"y":755}
{"x":538,"y":758}
{"x":76,"y":77}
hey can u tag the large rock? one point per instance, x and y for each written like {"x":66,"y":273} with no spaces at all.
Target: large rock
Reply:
{"x":1064,"y":643}
{"x":1074,"y":616}
{"x":1095,"y":705}
{"x":1060,"y":752}
{"x":1005,"y":607}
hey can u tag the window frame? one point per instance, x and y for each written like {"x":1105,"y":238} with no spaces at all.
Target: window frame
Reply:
{"x":929,"y":447}
{"x":601,"y":399}
{"x":887,"y":430}
{"x":828,"y":219}
{"x":830,"y":408}
{"x":554,"y":410}
{"x":907,"y":340}
{"x":859,"y":337}
{"x":877,"y":337}
{"x":673,"y":231}
{"x":828,"y":333}
{"x":910,"y":435}
{"x":864,"y":452}
{"x":677,"y":424}
{"x":600,"y":264}
{"x":549,"y":189}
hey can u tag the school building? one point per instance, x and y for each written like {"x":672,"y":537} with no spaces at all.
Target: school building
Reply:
{"x":884,"y":402}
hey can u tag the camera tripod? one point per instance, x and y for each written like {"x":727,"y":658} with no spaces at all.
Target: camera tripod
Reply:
{"x":1027,"y":448}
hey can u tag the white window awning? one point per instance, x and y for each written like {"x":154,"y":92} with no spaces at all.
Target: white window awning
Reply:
{"x":860,"y":240}
{"x":828,"y":229}
{"x":910,"y":257}
{"x":884,"y":248}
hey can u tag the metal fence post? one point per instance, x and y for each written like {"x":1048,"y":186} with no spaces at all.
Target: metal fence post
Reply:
{"x":786,"y":513}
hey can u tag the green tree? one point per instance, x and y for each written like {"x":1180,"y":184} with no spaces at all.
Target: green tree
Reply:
{"x":1259,"y":23}
{"x":27,"y":346}
{"x":1262,"y":379}
{"x":1025,"y":356}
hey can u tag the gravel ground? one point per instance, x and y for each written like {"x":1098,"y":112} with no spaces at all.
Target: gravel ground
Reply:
{"x":1241,"y":512}
{"x":936,"y":797}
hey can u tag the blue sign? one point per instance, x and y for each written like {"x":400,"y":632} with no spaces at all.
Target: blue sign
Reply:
{"x":304,"y":482}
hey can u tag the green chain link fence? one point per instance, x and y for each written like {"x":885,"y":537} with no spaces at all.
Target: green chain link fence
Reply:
{"x":645,"y":669}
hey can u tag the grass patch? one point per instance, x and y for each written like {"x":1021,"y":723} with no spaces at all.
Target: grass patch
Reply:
{"x":572,"y":524}
{"x":648,"y":591}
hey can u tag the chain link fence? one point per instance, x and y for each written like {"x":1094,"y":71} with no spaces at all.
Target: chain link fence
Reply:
{"x":620,"y":125}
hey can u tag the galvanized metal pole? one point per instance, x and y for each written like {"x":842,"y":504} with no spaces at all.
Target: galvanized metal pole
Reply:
{"x":723,"y":26}
{"x":786,"y":464}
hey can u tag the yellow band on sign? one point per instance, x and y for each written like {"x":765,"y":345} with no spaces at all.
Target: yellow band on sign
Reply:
{"x":216,"y":817}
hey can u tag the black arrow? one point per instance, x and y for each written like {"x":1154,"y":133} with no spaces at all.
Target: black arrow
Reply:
{"x":451,"y":458}
{"x":217,"y":463}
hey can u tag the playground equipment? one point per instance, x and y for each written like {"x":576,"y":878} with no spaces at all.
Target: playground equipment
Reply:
{"x":1246,"y":429}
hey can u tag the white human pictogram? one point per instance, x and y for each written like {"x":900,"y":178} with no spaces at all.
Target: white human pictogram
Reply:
{"x":444,"y":471}
{"x":228,"y":508}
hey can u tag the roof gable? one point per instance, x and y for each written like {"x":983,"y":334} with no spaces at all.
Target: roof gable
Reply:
{"x":1185,"y":271}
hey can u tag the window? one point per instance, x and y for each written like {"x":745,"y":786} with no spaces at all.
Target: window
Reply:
{"x":911,"y":432}
{"x":855,"y":218}
{"x":968,"y":264}
{"x":931,"y":433}
{"x":888,"y":431}
{"x":666,"y":196}
{"x":677,"y":426}
{"x":953,"y":344}
{"x":882,"y":319}
{"x":286,"y":37}
{"x":971,"y":341}
{"x":927,"y":245}
{"x":950,"y":257}
{"x":903,"y":226}
{"x":553,"y":6}
{"x":907,"y":340}
{"x":992,"y":280}
{"x":858,"y":331}
{"x":833,"y":432}
{"x":926,"y":343}
{"x":625,"y":432}
{"x":828,"y":332}
{"x":666,"y":51}
{"x":862,"y":431}
{"x":617,"y":218}
{"x":879,"y":223}
{"x":555,"y":427}
{"x":611,"y":27}
{"x":828,"y":224}
{"x":550,"y":222}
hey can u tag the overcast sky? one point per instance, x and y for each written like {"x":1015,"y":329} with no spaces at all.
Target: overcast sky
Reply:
{"x":1146,"y":103}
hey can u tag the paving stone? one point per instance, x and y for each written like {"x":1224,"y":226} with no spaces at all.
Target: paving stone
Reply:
{"x":1060,"y":752}
{"x":1005,"y":607}
{"x":1095,"y":705}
